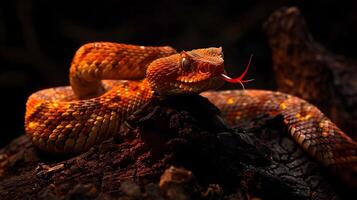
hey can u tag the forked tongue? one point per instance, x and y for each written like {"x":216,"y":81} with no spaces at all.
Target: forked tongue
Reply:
{"x":240,"y":78}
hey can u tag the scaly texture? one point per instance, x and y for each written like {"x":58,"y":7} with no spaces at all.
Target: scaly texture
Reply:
{"x":308,"y":126}
{"x":57,"y":125}
{"x":104,"y":60}
{"x":72,"y":120}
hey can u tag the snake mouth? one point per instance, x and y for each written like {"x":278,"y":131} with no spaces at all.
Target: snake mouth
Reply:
{"x":211,"y":83}
{"x":207,"y":77}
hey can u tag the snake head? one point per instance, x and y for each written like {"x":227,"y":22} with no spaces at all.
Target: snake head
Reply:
{"x":187,"y":72}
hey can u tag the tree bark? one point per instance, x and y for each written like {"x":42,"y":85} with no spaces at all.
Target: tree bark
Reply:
{"x":175,"y":148}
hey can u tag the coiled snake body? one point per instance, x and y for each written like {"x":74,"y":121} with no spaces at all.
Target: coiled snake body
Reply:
{"x":72,"y":119}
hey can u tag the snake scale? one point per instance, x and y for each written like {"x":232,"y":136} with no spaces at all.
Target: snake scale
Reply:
{"x":105,"y":90}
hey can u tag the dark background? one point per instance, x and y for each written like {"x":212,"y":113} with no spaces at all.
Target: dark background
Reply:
{"x":39,"y":38}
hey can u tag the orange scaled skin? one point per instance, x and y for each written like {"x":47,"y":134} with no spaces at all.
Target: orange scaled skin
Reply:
{"x":72,"y":119}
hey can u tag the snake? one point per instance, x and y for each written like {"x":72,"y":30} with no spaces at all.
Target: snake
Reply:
{"x":109,"y":81}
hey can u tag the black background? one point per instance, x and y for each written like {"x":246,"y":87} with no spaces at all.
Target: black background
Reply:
{"x":39,"y":38}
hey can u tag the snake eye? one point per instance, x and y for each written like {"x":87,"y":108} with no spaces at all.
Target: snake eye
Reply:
{"x":185,"y":64}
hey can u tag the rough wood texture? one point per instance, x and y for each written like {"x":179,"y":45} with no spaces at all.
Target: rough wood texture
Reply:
{"x":212,"y":161}
{"x":306,"y":69}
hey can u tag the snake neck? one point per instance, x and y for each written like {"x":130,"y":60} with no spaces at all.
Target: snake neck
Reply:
{"x":132,"y":95}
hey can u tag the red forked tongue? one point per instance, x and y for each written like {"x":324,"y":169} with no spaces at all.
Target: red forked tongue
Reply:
{"x":240,"y":78}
